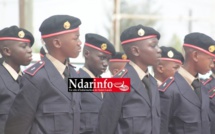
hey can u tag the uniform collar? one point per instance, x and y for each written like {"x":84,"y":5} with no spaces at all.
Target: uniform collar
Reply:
{"x":213,"y":75}
{"x":158,"y":82}
{"x":88,"y":72}
{"x":11,"y":71}
{"x":139,"y":71}
{"x":187,"y":76}
{"x":58,"y":65}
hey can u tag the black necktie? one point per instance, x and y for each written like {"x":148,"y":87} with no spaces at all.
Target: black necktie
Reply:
{"x":66,"y":74}
{"x":147,"y":85}
{"x":19,"y":79}
{"x":197,"y":88}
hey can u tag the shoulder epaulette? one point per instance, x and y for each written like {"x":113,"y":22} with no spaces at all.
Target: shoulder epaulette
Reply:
{"x":207,"y":81}
{"x":34,"y":68}
{"x":121,"y":73}
{"x":212,"y":92}
{"x":166,"y":84}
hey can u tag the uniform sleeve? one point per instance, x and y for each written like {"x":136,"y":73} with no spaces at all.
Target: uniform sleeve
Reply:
{"x":110,"y":113}
{"x":23,"y":109}
{"x":166,"y":111}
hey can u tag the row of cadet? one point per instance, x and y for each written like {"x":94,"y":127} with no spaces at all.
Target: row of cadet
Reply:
{"x":173,"y":101}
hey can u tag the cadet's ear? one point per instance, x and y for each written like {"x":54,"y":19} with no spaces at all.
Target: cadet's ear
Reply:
{"x":135,"y":50}
{"x":56,"y":43}
{"x":195,"y":56}
{"x":160,"y":68}
{"x":6,"y":51}
{"x":86,"y":53}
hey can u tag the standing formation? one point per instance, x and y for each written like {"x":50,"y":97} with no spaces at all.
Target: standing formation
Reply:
{"x":172,"y":101}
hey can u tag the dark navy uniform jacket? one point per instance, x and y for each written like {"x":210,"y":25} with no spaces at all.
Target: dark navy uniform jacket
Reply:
{"x":210,"y":87}
{"x":9,"y":88}
{"x":90,"y":105}
{"x":44,"y":105}
{"x":182,"y":112}
{"x":1,"y":60}
{"x":133,"y":112}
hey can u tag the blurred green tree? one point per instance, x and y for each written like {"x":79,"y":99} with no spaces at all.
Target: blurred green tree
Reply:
{"x":137,"y":8}
{"x":176,"y":42}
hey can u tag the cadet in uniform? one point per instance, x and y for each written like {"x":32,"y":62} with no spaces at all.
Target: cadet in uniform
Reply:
{"x":117,"y":62}
{"x":136,"y":112}
{"x":185,"y":106}
{"x":15,"y":46}
{"x":169,"y":63}
{"x":44,"y":105}
{"x":97,"y":52}
{"x":209,"y":85}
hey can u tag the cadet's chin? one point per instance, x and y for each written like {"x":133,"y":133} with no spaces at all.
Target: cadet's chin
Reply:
{"x":26,"y":63}
{"x":205,"y":72}
{"x":154,"y":63}
{"x":75,"y":55}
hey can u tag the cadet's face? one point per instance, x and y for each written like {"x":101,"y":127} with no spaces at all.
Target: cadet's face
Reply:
{"x":205,"y":63}
{"x":71,"y":44}
{"x":169,"y":68}
{"x":21,"y":53}
{"x":150,"y":52}
{"x":98,"y":62}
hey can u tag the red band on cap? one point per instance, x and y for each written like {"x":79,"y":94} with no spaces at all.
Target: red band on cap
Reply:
{"x":200,"y":49}
{"x":58,"y":33}
{"x":118,"y":60}
{"x":137,"y":39}
{"x":104,"y":51}
{"x":16,"y":39}
{"x":169,"y":59}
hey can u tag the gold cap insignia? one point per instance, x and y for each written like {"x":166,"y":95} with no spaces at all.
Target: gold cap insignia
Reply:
{"x":141,"y":32}
{"x":66,"y":25}
{"x":104,"y":46}
{"x":21,"y":34}
{"x":211,"y":48}
{"x":124,"y":56}
{"x":170,"y":54}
